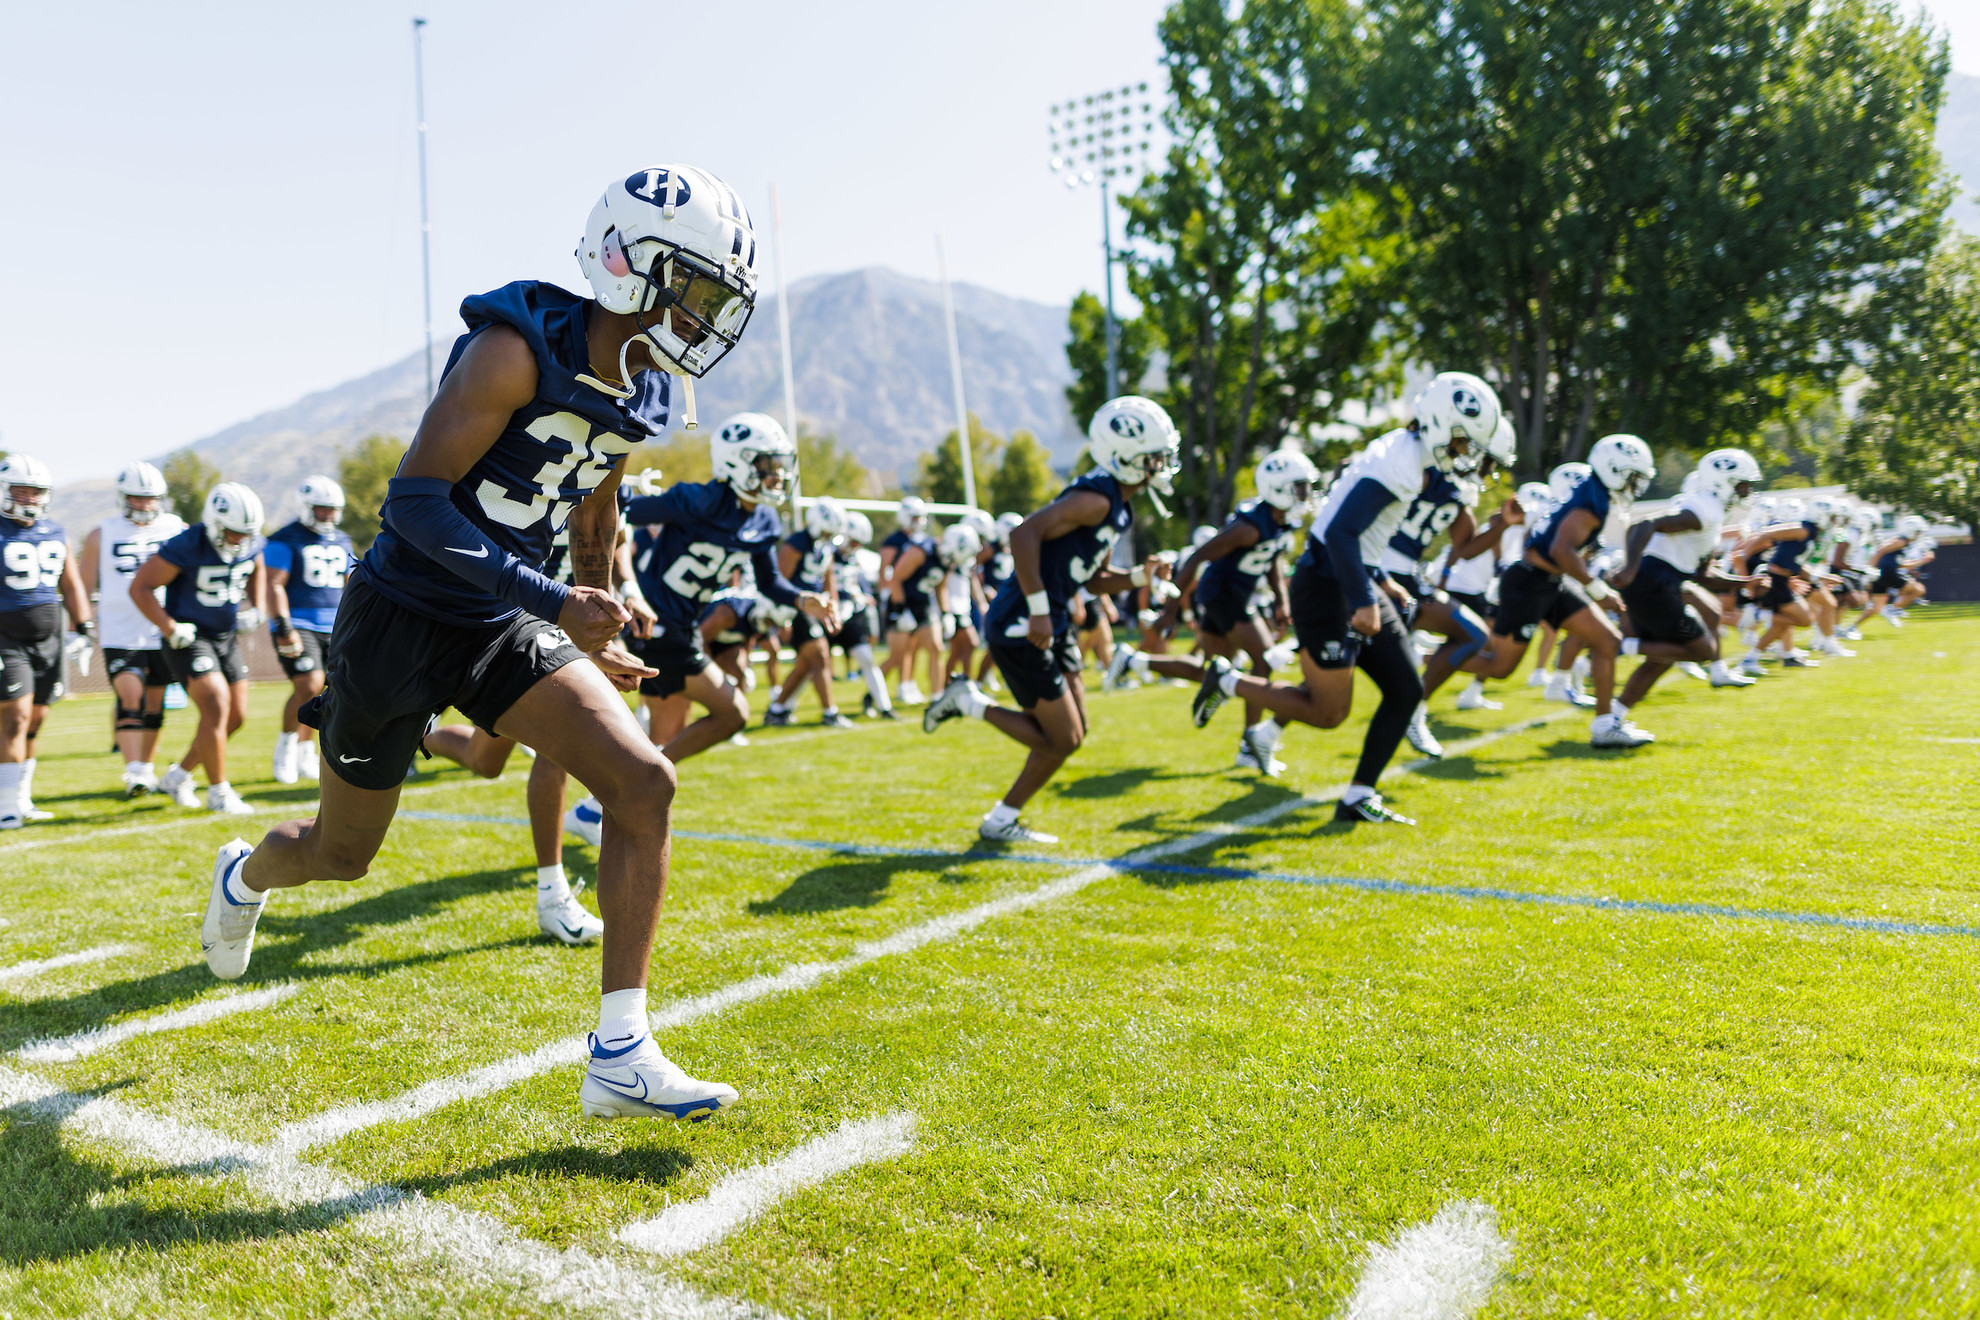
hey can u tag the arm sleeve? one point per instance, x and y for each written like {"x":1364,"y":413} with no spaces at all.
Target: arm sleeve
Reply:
{"x":421,"y":509}
{"x":1343,"y":539}
{"x":276,"y":554}
{"x":771,"y":584}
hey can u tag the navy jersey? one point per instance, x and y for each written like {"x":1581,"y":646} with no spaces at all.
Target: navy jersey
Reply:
{"x":1427,"y":517}
{"x":922,"y":580}
{"x":554,"y":452}
{"x":814,"y":557}
{"x":705,"y":536}
{"x":317,"y":564}
{"x":1591,"y":495}
{"x":31,"y":562}
{"x":1892,"y":564}
{"x":1786,"y":555}
{"x":996,"y":573}
{"x":1237,"y":573}
{"x":209,"y":590}
{"x":1065,"y":563}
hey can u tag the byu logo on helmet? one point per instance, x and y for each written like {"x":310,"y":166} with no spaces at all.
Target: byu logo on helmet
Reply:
{"x":1126,"y":425}
{"x":649,"y":185}
{"x":736,"y":433}
{"x":1466,"y":402}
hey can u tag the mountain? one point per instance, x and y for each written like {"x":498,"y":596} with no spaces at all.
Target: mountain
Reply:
{"x":1959,"y":145}
{"x":869,"y":355}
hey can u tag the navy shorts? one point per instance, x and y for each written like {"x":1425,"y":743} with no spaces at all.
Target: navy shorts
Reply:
{"x":1033,"y":675}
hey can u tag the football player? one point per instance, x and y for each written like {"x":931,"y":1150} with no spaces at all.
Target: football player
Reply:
{"x":810,"y":560}
{"x":915,"y":620}
{"x":307,"y":562}
{"x":1788,"y":582}
{"x":132,"y":656}
{"x":38,"y":580}
{"x":996,"y":571}
{"x":962,"y":551}
{"x":1474,"y":583}
{"x":858,"y":580}
{"x":1894,"y":588}
{"x":540,"y":403}
{"x":213,"y":591}
{"x":910,"y":525}
{"x":1056,"y":551}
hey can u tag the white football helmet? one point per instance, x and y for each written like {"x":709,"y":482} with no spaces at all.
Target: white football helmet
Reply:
{"x":1624,"y":464}
{"x":1724,"y":471}
{"x":1820,"y":510}
{"x":1787,"y":511}
{"x":231,"y":507}
{"x":24,"y":485}
{"x":960,"y":545}
{"x":1133,"y":441}
{"x":1006,"y":524}
{"x":912,"y":515}
{"x":1563,"y":479}
{"x":141,"y":481}
{"x":1534,"y":497}
{"x":320,"y":492}
{"x":753,"y":454}
{"x":1502,"y":450}
{"x":859,"y":528}
{"x":825,"y":519}
{"x":1456,"y":405}
{"x":673,"y":238}
{"x":985,"y":525}
{"x":1285,"y":479}
{"x":1911,"y":527}
{"x":1202,"y":536}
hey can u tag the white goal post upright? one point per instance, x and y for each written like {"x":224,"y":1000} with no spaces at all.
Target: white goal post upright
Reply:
{"x":784,"y":335}
{"x":963,"y":447}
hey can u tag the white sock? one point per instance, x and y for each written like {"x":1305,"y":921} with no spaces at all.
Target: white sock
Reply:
{"x":285,"y":742}
{"x":222,"y":787}
{"x":551,"y":886}
{"x":27,"y":783}
{"x":621,"y":1017}
{"x":1357,"y":793}
{"x":235,"y":883}
{"x":1268,"y":728}
{"x":1631,"y":645}
{"x":1228,"y":683}
{"x":1477,"y":686}
{"x":1619,"y":710}
{"x":10,"y":789}
{"x":1002,"y":814}
{"x":1138,"y":666}
{"x":974,"y":703}
{"x":135,"y":768}
{"x":876,"y":682}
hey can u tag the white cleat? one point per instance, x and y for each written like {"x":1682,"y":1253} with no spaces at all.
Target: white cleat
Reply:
{"x":909,"y":695}
{"x":1258,"y":749}
{"x":1014,"y":832}
{"x":1830,"y":646}
{"x":12,"y":821}
{"x":585,"y":820}
{"x":1892,"y":617}
{"x":1752,"y":668}
{"x":1613,"y":731}
{"x":178,"y":785}
{"x":139,"y":782}
{"x":284,"y":769}
{"x":1474,"y":698}
{"x":1851,"y":634}
{"x":222,"y":798}
{"x":226,"y":936}
{"x":1538,"y":678}
{"x":633,"y":1079}
{"x":1420,"y":736}
{"x":566,"y":921}
{"x":307,"y":763}
{"x":949,"y":705}
{"x":1721,"y":676}
{"x":1562,"y":688}
{"x":1692,"y":669}
{"x":1118,"y":667}
{"x":34,"y":815}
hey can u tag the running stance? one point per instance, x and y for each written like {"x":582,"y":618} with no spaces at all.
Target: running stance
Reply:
{"x":810,"y":560}
{"x":307,"y":562}
{"x":1894,"y":583}
{"x":1788,"y":583}
{"x":133,"y":660}
{"x":1064,"y":546}
{"x":540,"y":403}
{"x":38,"y":580}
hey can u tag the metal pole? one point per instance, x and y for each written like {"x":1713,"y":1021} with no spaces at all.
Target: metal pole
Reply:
{"x":963,"y":446}
{"x":784,"y":333}
{"x":425,"y":224}
{"x":1107,"y":247}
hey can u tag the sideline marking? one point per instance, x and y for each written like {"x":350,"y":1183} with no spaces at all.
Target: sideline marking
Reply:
{"x":67,"y":1049}
{"x":40,"y":965}
{"x":740,"y":1197}
{"x":1441,"y":1270}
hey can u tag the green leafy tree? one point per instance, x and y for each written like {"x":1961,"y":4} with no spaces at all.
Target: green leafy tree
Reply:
{"x":941,"y":478}
{"x":1915,"y":440}
{"x":1024,"y":482}
{"x":682,"y":456}
{"x":1086,"y":351}
{"x":188,"y":478}
{"x":827,"y":468}
{"x":363,"y":471}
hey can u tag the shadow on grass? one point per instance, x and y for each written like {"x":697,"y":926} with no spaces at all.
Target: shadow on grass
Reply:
{"x":1119,"y":783}
{"x":1461,"y":768}
{"x":1569,"y":749}
{"x":641,"y":1165}
{"x":860,"y":882}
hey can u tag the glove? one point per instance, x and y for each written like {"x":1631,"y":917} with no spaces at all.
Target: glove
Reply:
{"x":78,"y":648}
{"x":247,"y":619}
{"x":1162,"y":591}
{"x":182,"y":635}
{"x":288,"y":642}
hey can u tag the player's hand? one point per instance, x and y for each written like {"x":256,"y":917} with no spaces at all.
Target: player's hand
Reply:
{"x":591,"y":618}
{"x":1281,"y":615}
{"x":621,"y":666}
{"x":183,"y":634}
{"x":1165,"y":622}
{"x":247,"y":619}
{"x":1038,"y":631}
{"x":288,"y":642}
{"x":822,"y":608}
{"x":77,"y":648}
{"x":1367,"y":621}
{"x":643,"y":617}
{"x":1511,"y":514}
{"x":1623,"y":576}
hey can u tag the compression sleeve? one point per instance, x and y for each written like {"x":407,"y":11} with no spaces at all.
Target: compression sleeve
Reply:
{"x":1343,"y":538}
{"x":421,"y":509}
{"x":771,"y":584}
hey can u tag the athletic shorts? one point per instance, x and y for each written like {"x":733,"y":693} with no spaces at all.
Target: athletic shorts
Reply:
{"x":31,"y":655}
{"x":915,"y":612}
{"x":208,"y":655}
{"x":674,"y":650}
{"x":148,"y":665}
{"x":804,"y":629}
{"x":1778,"y":594}
{"x":1528,"y":598}
{"x":1033,"y":675}
{"x":1476,"y":603}
{"x":311,"y":659}
{"x":391,"y":672}
{"x":1852,"y":582}
{"x":1321,"y":617}
{"x":1658,"y":610}
{"x":1221,"y":613}
{"x":857,"y":630}
{"x":1889,"y":582}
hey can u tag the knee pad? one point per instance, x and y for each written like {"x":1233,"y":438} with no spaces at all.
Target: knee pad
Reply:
{"x":153,"y":719}
{"x":129,"y":717}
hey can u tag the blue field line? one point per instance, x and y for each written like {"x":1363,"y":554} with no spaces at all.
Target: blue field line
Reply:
{"x":1596,"y":902}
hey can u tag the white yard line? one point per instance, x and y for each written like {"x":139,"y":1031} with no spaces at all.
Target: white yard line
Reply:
{"x":77,"y":959}
{"x":737,"y":1198}
{"x":1443,"y":1270}
{"x":67,"y":1049}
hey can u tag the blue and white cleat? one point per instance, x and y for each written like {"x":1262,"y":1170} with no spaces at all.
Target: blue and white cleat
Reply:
{"x":566,"y":921}
{"x":637,"y":1081}
{"x":586,"y":820}
{"x":226,"y":936}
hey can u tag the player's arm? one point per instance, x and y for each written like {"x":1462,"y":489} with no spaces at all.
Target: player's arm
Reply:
{"x":276,"y":558}
{"x":1275,"y":577}
{"x":1638,"y":537}
{"x":1565,"y":552}
{"x":1469,"y":540}
{"x":1074,"y":509}
{"x":774,"y":587}
{"x":257,"y":594}
{"x":719,"y":620}
{"x":152,"y":574}
{"x":92,"y":553}
{"x":625,"y":584}
{"x":1235,"y":535}
{"x":905,"y":567}
{"x":787,"y":559}
{"x":1356,"y":514}
{"x":75,"y":597}
{"x":594,"y":532}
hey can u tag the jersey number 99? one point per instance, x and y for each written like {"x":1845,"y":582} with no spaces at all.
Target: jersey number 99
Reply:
{"x":31,"y":564}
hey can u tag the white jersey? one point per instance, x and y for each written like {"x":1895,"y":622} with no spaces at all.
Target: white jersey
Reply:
{"x":955,"y":591}
{"x":1686,"y":551}
{"x":122,"y":546}
{"x":1396,"y":461}
{"x":1474,"y":576}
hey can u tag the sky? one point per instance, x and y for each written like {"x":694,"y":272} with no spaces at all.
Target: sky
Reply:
{"x":210,"y":210}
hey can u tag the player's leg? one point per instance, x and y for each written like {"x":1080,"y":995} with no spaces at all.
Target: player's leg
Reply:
{"x":480,"y":752}
{"x":1388,"y":658}
{"x":928,"y":643}
{"x":305,"y":673}
{"x":666,"y":717}
{"x":558,"y":913}
{"x":212,"y":701}
{"x":129,"y":699}
{"x":16,"y":714}
{"x":728,"y":712}
{"x":1050,"y":722}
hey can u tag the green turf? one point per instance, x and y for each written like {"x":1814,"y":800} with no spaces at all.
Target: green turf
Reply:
{"x":1168,"y":1093}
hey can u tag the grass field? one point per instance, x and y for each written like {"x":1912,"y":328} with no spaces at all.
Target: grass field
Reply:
{"x":1684,"y":1031}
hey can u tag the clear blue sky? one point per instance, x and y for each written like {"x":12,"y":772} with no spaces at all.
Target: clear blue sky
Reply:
{"x":210,"y":210}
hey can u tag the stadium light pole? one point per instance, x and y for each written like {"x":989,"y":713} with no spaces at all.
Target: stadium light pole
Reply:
{"x":1095,"y":139}
{"x":963,"y":447}
{"x":425,"y":223}
{"x":784,"y":335}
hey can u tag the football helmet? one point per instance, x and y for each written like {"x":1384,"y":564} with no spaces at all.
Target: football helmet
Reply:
{"x":231,"y":507}
{"x":912,"y":515}
{"x":1285,"y":479}
{"x":1724,"y":471}
{"x":1563,"y":479}
{"x":1202,"y":536}
{"x":1133,"y":441}
{"x":141,"y":481}
{"x":755,"y":457}
{"x":859,"y":528}
{"x":1624,"y":464}
{"x":1006,"y":524}
{"x":673,"y":239}
{"x":24,"y":473}
{"x":1533,"y":497}
{"x":959,"y":546}
{"x":825,"y":519}
{"x":320,"y":492}
{"x":1911,"y":527}
{"x":985,"y":525}
{"x":1456,"y":405}
{"x":1502,"y":450}
{"x":1787,"y":511}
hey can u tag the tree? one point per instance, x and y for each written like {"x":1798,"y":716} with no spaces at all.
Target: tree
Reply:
{"x":1134,"y":350}
{"x":363,"y":471}
{"x":1655,"y":216}
{"x":1024,"y":482}
{"x":188,"y":478}
{"x":1915,"y":441}
{"x":941,"y":478}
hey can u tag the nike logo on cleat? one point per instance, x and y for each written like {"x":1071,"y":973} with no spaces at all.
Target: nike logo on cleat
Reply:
{"x":622,"y":1090}
{"x":573,"y":932}
{"x":481,"y":553}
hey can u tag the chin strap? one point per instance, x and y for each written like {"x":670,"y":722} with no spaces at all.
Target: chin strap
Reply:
{"x":626,"y":391}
